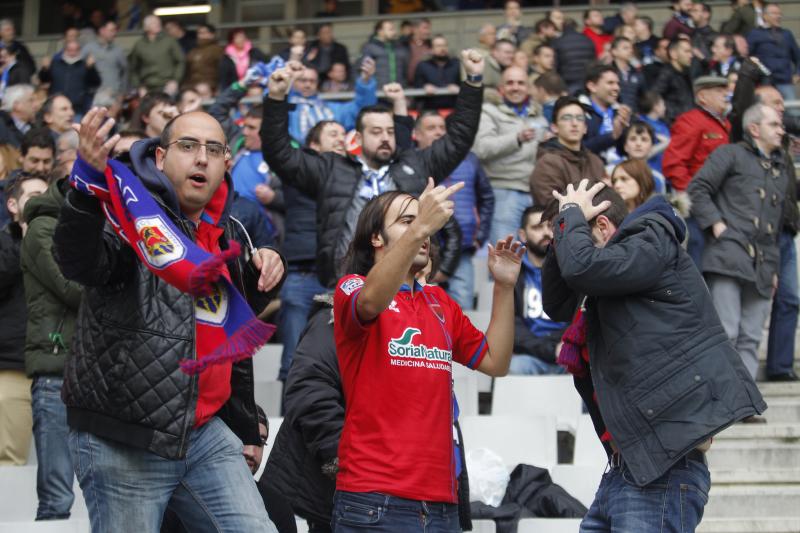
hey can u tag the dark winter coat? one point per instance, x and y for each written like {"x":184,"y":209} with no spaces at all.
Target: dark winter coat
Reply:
{"x":52,"y":301}
{"x":8,"y":131}
{"x":309,"y":435}
{"x":777,"y":50}
{"x":76,"y":81}
{"x":133,"y":329}
{"x":746,"y":190}
{"x":676,"y":89}
{"x":742,"y":20}
{"x":474,"y":204}
{"x":525,"y":342}
{"x":441,"y":75}
{"x":574,"y":52}
{"x":743,"y":98}
{"x":663,"y":369}
{"x":381,"y":51}
{"x":332,"y":179}
{"x":13,"y":313}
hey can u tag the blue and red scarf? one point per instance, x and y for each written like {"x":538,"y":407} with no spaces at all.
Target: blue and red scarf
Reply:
{"x":220,"y":310}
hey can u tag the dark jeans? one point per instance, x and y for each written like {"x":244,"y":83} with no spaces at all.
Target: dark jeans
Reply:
{"x":783,"y":321}
{"x":297,"y":297}
{"x":371,"y":511}
{"x":673,"y":503}
{"x":697,"y":241}
{"x":54,"y":474}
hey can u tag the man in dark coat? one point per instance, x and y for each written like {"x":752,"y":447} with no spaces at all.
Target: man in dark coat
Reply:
{"x":343,"y":185}
{"x":72,"y":75}
{"x":785,"y":305}
{"x":303,"y":462}
{"x":737,"y":198}
{"x":777,"y":49}
{"x":649,"y":355}
{"x":129,"y":405}
{"x":16,"y":114}
{"x":574,"y":52}
{"x":674,"y":82}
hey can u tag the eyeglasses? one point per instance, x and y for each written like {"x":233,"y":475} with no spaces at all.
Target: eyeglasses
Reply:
{"x":572,"y":118}
{"x":213,"y":150}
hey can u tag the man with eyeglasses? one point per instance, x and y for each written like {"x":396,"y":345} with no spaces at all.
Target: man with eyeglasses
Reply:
{"x":563,"y":159}
{"x":142,"y":430}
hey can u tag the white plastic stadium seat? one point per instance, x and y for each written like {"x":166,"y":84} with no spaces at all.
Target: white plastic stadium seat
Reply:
{"x":73,"y":525}
{"x":517,"y":439}
{"x":267,"y":363}
{"x":484,"y":381}
{"x":274,"y":426}
{"x":579,"y":480}
{"x":483,"y":526}
{"x":588,"y":449}
{"x":539,"y":395}
{"x":466,"y":388}
{"x":549,"y":525}
{"x":268,"y":395}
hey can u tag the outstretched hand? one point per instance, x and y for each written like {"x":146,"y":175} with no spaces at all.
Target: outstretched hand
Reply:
{"x":582,"y":196}
{"x":473,"y":62}
{"x":435,"y":207}
{"x":93,"y":145}
{"x":281,"y":80}
{"x":505,"y":260}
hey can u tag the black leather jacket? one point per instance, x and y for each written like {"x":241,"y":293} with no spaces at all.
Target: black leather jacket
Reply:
{"x":122,"y":376}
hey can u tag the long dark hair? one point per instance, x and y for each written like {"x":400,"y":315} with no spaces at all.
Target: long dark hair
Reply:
{"x":360,"y":257}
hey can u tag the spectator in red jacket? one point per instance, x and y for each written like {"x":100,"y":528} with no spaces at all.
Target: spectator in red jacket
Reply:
{"x":695,"y":134}
{"x":593,"y":29}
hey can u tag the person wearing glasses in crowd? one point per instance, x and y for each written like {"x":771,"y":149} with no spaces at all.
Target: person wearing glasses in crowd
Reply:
{"x":141,"y":429}
{"x":563,"y":159}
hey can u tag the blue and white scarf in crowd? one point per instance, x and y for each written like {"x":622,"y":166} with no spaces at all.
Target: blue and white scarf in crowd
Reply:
{"x":375,"y":181}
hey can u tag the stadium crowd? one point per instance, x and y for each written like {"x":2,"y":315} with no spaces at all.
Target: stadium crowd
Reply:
{"x":693,"y":113}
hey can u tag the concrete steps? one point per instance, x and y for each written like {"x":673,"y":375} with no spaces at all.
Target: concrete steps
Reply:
{"x":754,"y":501}
{"x":744,"y":525}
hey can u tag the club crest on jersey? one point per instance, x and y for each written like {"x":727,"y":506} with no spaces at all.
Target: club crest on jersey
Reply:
{"x":212,"y":309}
{"x":349,"y":286}
{"x":158,"y":243}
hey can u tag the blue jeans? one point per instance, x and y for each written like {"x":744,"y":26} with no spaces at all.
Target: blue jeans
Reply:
{"x":786,"y":90}
{"x":783,"y":320}
{"x":128,"y":489}
{"x":54,"y":473}
{"x":461,"y":285}
{"x":528,"y":365}
{"x":697,"y":242}
{"x":673,"y":503}
{"x":508,"y":208}
{"x":297,"y":297}
{"x":379,"y":513}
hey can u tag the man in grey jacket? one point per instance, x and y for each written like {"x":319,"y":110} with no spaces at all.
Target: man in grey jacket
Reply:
{"x":737,"y":199}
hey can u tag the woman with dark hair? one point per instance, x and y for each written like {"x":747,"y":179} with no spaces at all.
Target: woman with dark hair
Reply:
{"x":396,"y":342}
{"x":633,"y":181}
{"x":636,"y":142}
{"x":240,"y":55}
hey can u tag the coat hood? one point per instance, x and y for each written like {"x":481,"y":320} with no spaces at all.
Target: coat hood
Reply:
{"x":47,"y":204}
{"x":656,"y":205}
{"x":143,"y":160}
{"x":553,"y":146}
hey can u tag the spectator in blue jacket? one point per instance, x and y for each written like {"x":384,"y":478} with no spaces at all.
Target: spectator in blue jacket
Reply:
{"x":777,"y":49}
{"x":438,"y":72}
{"x":607,"y":118}
{"x":474,"y":207}
{"x":537,"y":338}
{"x":310,"y":108}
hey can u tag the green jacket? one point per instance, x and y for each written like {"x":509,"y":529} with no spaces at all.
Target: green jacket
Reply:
{"x":52,"y":300}
{"x":154,"y":63}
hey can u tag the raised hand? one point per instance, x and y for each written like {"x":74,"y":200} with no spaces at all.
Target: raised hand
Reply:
{"x":395,"y":94}
{"x":582,"y":196}
{"x":435,"y":207}
{"x":93,"y":145}
{"x":472,"y":61}
{"x":367,"y":68}
{"x":505,"y":260}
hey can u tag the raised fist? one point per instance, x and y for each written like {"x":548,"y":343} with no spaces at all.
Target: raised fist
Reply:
{"x":472,"y":61}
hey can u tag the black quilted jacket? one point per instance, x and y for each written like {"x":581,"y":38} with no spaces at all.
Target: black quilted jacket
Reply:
{"x":122,"y":379}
